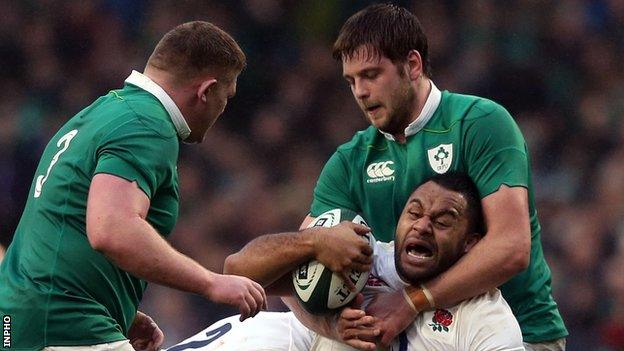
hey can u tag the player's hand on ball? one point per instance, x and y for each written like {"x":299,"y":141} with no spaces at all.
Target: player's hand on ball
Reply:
{"x":338,"y":249}
{"x":392,"y":315}
{"x":144,"y":334}
{"x":355,"y":328}
{"x":243,"y":293}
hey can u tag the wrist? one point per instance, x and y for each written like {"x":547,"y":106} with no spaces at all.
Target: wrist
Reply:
{"x":209,"y":282}
{"x":311,"y":241}
{"x":418,"y":298}
{"x":332,"y":326}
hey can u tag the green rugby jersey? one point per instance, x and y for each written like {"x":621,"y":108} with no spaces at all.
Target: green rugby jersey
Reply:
{"x":374,"y":175}
{"x":56,"y":288}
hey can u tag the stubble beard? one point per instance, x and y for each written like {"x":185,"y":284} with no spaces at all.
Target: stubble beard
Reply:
{"x":411,"y":278}
{"x":400,"y":117}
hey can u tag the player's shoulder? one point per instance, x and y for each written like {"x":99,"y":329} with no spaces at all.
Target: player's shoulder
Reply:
{"x":489,"y":311}
{"x":362,"y":141}
{"x":142,"y":112}
{"x":455,"y":106}
{"x":492,"y":299}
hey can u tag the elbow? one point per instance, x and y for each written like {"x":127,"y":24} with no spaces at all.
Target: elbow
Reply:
{"x":519,"y":258}
{"x":232,"y":265}
{"x":519,"y":262}
{"x":99,"y":241}
{"x":102,"y":235}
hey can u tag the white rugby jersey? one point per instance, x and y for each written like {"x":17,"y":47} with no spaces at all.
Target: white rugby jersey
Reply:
{"x":483,"y":323}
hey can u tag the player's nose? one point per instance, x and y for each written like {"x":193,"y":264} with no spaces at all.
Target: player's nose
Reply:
{"x":423,"y":225}
{"x":360,"y":90}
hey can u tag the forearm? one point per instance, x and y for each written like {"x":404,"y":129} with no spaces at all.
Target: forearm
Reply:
{"x":138,"y":249}
{"x":1,"y":252}
{"x":489,"y":264}
{"x":321,"y":325}
{"x":269,"y":257}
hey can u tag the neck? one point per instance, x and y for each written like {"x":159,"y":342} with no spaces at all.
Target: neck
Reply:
{"x":166,"y":81}
{"x":162,"y":78}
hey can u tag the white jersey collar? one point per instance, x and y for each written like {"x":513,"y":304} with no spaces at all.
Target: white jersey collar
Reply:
{"x":431,"y":105}
{"x":144,"y":82}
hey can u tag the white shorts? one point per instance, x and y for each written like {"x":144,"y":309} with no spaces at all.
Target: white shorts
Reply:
{"x":122,"y":345}
{"x":267,"y":331}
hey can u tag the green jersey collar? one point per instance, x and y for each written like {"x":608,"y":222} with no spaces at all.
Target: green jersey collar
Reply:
{"x":431,"y":105}
{"x":144,"y":82}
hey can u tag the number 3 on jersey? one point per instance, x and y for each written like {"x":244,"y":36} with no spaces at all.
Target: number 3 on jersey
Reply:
{"x":63,"y":143}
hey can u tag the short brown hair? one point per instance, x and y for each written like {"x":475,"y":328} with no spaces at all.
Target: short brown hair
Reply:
{"x":389,"y":30}
{"x":190,"y":48}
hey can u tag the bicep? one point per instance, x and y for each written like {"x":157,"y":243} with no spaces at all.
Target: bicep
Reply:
{"x":112,"y":201}
{"x":506,"y":213}
{"x":495,"y":153}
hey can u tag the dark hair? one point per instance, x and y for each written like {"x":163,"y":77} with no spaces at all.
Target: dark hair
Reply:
{"x":461,"y":183}
{"x":389,"y":30}
{"x":191,"y":48}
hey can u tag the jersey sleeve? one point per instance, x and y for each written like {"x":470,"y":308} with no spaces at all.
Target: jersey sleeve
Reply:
{"x":495,"y":150}
{"x":137,"y":153}
{"x":332,"y":187}
{"x":488,"y":324}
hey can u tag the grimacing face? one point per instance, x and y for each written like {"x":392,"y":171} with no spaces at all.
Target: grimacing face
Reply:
{"x":381,"y":89}
{"x":432,"y":233}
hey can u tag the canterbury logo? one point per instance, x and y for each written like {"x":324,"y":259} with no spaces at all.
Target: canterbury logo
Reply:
{"x":380,"y":172}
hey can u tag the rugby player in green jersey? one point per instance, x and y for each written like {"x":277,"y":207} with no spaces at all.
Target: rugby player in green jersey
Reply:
{"x":417,"y":131}
{"x":105,"y":194}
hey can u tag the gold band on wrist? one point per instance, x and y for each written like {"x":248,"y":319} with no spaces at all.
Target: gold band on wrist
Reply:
{"x":409,"y":300}
{"x":418,"y":298}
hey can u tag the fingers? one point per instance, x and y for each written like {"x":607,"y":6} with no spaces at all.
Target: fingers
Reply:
{"x":361,"y":344}
{"x":361,"y":333}
{"x":244,"y":309}
{"x":263,"y":296}
{"x":155,"y":342}
{"x":366,"y":250}
{"x":258,"y":298}
{"x":360,"y":267}
{"x":158,"y":338}
{"x":358,"y":228}
{"x":356,"y":329}
{"x":349,"y":313}
{"x":253,"y":305}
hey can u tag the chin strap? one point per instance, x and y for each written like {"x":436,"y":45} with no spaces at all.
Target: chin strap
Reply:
{"x":419,"y":298}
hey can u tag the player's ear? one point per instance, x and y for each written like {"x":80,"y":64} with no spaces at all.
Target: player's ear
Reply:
{"x":205,"y":88}
{"x":414,"y":65}
{"x":471,"y":240}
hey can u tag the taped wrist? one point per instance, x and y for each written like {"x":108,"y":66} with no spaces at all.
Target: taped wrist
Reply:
{"x":419,"y":298}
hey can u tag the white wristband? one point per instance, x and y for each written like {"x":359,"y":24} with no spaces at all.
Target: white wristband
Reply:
{"x":428,"y":295}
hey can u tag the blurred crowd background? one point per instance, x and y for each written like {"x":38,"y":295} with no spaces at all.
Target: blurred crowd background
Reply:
{"x":557,"y":66}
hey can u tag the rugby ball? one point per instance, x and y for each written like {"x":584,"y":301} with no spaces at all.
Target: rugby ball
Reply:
{"x":317,"y":288}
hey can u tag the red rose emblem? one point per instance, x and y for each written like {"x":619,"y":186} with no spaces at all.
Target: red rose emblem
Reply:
{"x":443,"y":317}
